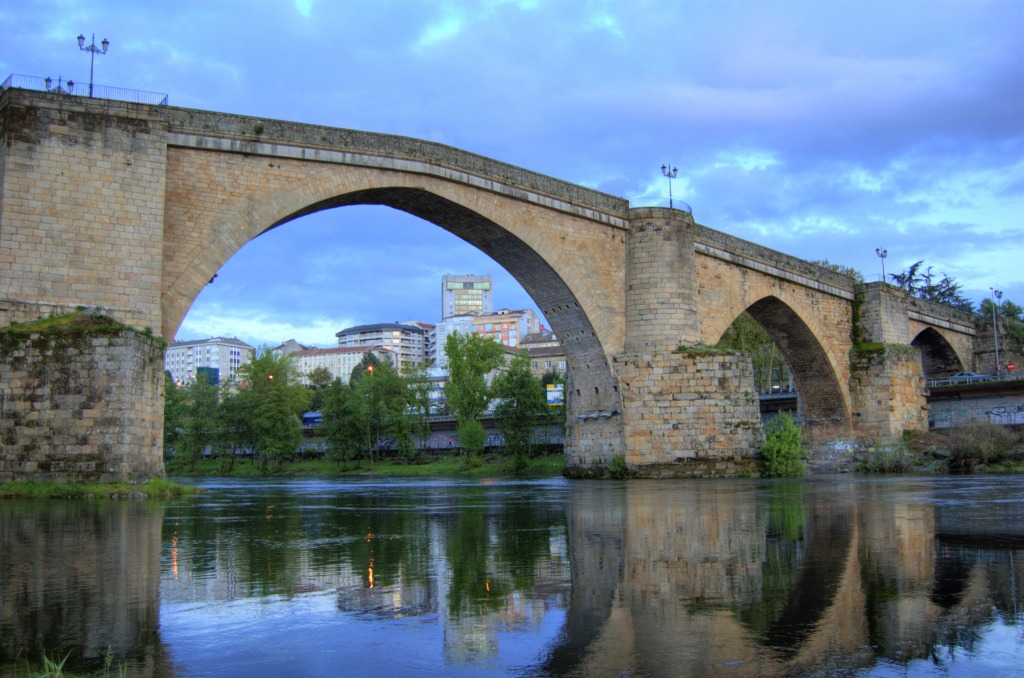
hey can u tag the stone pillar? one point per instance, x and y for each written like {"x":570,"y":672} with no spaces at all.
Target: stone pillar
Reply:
{"x":887,"y":390}
{"x":687,"y":410}
{"x":883,"y":315}
{"x":886,"y":376}
{"x":81,"y":399}
{"x":82,"y":184}
{"x":661,"y":280}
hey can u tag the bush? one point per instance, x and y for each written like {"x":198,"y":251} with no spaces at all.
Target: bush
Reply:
{"x":782,"y":448}
{"x":976,"y":443}
{"x":886,"y":455}
{"x":617,"y":467}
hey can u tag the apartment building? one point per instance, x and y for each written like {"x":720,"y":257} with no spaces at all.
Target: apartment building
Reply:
{"x":404,"y":340}
{"x":184,"y":359}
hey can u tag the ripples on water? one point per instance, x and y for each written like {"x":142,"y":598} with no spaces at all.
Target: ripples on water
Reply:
{"x":847,"y":576}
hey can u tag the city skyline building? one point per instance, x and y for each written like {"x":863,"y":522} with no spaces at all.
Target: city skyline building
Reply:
{"x":462,"y":294}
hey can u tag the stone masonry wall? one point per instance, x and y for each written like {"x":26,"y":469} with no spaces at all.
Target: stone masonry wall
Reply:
{"x":81,"y":212}
{"x":689,"y":414}
{"x":80,"y":408}
{"x":887,"y":390}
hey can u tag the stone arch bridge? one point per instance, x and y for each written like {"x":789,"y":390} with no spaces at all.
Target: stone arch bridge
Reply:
{"x":131,"y":209}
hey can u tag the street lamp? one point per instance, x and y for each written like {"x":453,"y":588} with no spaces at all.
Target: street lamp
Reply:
{"x":61,"y":88}
{"x":93,"y":50}
{"x":882,"y":254}
{"x":996,"y":296}
{"x":670,"y":172}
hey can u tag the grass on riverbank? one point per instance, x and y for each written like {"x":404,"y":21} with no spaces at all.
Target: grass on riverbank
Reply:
{"x":448,"y":466}
{"x":155,"y":488}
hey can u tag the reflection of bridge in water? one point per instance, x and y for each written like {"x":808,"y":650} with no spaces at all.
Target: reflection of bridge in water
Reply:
{"x":776,"y":582}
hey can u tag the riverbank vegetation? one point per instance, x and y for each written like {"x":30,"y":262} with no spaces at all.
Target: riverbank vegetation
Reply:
{"x":154,"y":488}
{"x":379,"y":419}
{"x":972,"y":447}
{"x":450,"y":466}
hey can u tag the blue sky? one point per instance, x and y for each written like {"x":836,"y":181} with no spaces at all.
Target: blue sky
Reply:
{"x":821,"y":129}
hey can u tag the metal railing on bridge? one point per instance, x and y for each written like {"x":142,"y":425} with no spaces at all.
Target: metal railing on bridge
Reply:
{"x":671,"y":203}
{"x":63,"y":87}
{"x":971,"y":378}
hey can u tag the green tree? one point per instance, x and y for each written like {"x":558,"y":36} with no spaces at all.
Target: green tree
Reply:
{"x":234,"y":427}
{"x":345,"y":424}
{"x":318,"y":379}
{"x":384,"y":394}
{"x":273,"y":398}
{"x":850,"y":272}
{"x":198,"y":426}
{"x":470,"y":358}
{"x":418,"y":389}
{"x":174,"y":415}
{"x":748,"y":336}
{"x":521,"y":401}
{"x":782,"y":448}
{"x":363,"y":368}
{"x":924,"y":284}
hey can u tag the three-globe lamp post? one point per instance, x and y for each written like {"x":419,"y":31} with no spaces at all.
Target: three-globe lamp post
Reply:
{"x":93,"y":50}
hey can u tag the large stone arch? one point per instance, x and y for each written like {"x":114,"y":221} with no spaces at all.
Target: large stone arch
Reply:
{"x":572,"y":267}
{"x":824,"y":402}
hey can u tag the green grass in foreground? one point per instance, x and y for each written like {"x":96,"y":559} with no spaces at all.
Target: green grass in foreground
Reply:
{"x":449,"y":466}
{"x":157,"y":487}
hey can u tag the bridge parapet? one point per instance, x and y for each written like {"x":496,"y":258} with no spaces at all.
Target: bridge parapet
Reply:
{"x":744,"y":253}
{"x":263,"y":134}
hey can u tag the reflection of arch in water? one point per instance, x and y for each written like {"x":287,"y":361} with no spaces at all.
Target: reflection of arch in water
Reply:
{"x":828,"y":545}
{"x":938,"y":357}
{"x":822,"y":564}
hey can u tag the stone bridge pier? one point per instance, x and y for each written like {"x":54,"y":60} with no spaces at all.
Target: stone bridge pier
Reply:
{"x":686,"y":409}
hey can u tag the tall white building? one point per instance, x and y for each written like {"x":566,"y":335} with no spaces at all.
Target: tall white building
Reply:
{"x":183,"y":359}
{"x":404,"y":340}
{"x":466,"y":294}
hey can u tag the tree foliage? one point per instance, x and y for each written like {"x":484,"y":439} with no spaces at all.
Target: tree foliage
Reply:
{"x":782,"y":448}
{"x":470,"y":358}
{"x":197,"y":428}
{"x":318,"y":380}
{"x":924,"y":284}
{"x":521,"y":400}
{"x":748,"y":336}
{"x":841,"y":269}
{"x":345,"y":422}
{"x":271,"y":398}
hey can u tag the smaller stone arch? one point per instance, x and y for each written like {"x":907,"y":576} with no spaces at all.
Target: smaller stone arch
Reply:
{"x":938,"y":357}
{"x":824,"y":405}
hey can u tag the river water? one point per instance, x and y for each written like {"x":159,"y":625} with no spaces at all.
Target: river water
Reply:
{"x":842,"y":576}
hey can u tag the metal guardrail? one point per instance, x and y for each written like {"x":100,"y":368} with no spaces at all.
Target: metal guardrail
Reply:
{"x":63,"y":87}
{"x":671,"y":203}
{"x":979,"y":379}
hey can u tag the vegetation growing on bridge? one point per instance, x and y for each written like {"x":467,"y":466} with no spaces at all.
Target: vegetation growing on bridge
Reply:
{"x":54,"y":336}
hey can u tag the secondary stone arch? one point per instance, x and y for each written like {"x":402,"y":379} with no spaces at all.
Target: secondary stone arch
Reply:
{"x":938,"y":357}
{"x":824,"y":403}
{"x":516,"y":236}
